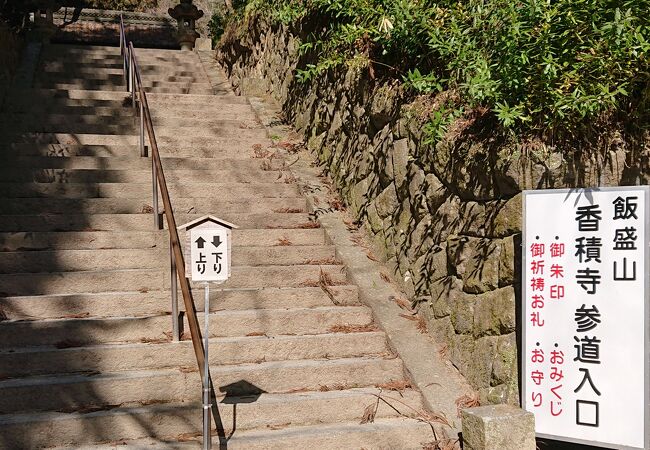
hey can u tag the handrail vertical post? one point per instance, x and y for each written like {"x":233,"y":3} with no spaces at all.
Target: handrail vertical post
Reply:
{"x":174,"y":287}
{"x":127,"y":70}
{"x":143,"y":152}
{"x":133,"y":83}
{"x":154,"y":183}
{"x":129,"y":82}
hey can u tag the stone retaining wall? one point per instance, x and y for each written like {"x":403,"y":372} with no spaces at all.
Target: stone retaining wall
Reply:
{"x":447,"y":218}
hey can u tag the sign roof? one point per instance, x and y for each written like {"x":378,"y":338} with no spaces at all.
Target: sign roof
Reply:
{"x":208,"y":217}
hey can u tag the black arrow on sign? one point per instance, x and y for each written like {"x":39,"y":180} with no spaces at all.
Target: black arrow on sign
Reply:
{"x":216,"y":241}
{"x":200,"y":242}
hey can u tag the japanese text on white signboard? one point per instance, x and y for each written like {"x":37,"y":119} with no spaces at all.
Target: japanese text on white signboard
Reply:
{"x":584,"y":314}
{"x":209,"y":254}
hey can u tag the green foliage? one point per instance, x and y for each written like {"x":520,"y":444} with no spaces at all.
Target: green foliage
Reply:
{"x":122,"y":5}
{"x":288,"y":12}
{"x":441,"y":118}
{"x":422,"y":83}
{"x":216,"y":27}
{"x":222,"y":17}
{"x":312,"y":70}
{"x":535,"y":64}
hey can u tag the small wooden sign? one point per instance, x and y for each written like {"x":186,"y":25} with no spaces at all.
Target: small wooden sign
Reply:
{"x":207,"y":248}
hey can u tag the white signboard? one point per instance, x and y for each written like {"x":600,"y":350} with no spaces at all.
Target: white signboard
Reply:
{"x":585,"y":309}
{"x":209,"y":254}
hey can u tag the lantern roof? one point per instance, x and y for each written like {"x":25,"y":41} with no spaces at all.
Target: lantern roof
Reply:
{"x":185,"y":10}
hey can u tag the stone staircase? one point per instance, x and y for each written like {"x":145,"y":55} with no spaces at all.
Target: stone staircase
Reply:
{"x":86,"y":356}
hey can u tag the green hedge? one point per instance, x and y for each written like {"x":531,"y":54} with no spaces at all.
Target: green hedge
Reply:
{"x":121,"y":5}
{"x":534,"y":64}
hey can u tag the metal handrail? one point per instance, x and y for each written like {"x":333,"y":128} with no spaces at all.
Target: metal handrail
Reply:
{"x":134,"y":85}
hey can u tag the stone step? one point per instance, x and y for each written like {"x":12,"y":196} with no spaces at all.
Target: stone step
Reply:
{"x":143,"y":58}
{"x":98,"y":78}
{"x":35,"y":121}
{"x":397,"y":433}
{"x":115,"y":259}
{"x":198,"y":100}
{"x":55,"y":70}
{"x":144,"y":280}
{"x":71,"y":60}
{"x":123,"y":114}
{"x":26,"y":100}
{"x":113,"y":76}
{"x":116,"y":77}
{"x":23,"y":133}
{"x":205,"y":129}
{"x":78,"y":260}
{"x":204,"y":205}
{"x":151,"y":356}
{"x":91,"y":240}
{"x":170,"y":421}
{"x":111,"y":49}
{"x":100,"y":63}
{"x":57,"y":54}
{"x":137,"y":304}
{"x":231,"y":148}
{"x":228,"y":192}
{"x":205,"y":146}
{"x":110,"y":82}
{"x":58,"y":69}
{"x":144,"y":222}
{"x":194,"y":88}
{"x":34,"y":175}
{"x":95,"y":240}
{"x":134,"y":162}
{"x":71,"y":392}
{"x":68,"y":333}
{"x":129,"y":125}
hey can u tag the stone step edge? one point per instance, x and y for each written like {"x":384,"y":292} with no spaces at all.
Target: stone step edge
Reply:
{"x":86,"y":306}
{"x":65,"y":379}
{"x":222,"y":312}
{"x":315,"y":433}
{"x":269,"y":398}
{"x":393,"y":425}
{"x":150,"y":269}
{"x":154,"y":98}
{"x":213,"y":341}
{"x":214,"y":291}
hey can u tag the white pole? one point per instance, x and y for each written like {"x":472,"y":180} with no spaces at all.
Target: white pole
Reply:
{"x":207,"y":438}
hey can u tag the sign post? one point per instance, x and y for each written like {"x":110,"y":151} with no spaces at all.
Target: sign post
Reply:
{"x":208,"y":242}
{"x":207,"y":437}
{"x":585,"y":293}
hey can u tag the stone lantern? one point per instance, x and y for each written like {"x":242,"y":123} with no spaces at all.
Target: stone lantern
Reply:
{"x":186,"y":14}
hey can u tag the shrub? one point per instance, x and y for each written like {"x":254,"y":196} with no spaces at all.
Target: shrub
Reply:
{"x":535,"y":64}
{"x":222,"y":17}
